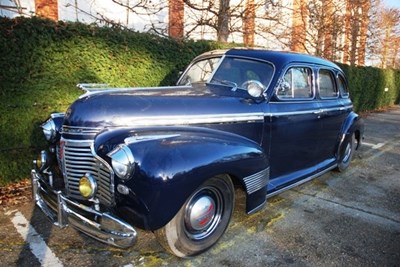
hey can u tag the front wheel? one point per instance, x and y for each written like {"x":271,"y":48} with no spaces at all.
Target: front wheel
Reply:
{"x":201,"y":221}
{"x":346,"y":153}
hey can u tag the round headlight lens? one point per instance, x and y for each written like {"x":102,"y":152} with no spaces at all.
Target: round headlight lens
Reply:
{"x":49,"y":130}
{"x":87,"y":186}
{"x":122,"y":161}
{"x":255,"y":88}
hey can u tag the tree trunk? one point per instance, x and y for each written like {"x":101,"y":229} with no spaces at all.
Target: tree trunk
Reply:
{"x":354,"y":44}
{"x":363,"y":31}
{"x":328,"y":29}
{"x":249,"y":23}
{"x":47,"y":9}
{"x":223,"y":21}
{"x":386,"y":43}
{"x":176,"y":19}
{"x":396,"y":50}
{"x":347,"y":33}
{"x":298,"y":26}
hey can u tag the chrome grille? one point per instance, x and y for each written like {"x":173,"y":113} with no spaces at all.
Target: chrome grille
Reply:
{"x":78,"y":160}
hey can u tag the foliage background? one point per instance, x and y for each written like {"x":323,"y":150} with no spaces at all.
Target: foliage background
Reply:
{"x":41,"y":62}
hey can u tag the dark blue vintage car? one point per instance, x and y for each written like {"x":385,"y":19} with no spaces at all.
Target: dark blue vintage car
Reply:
{"x":167,"y":159}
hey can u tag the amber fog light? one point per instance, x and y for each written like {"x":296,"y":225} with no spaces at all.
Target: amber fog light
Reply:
{"x":87,"y":186}
{"x":42,"y":161}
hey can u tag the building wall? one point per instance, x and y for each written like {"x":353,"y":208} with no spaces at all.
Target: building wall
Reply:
{"x":157,"y":16}
{"x":27,"y":8}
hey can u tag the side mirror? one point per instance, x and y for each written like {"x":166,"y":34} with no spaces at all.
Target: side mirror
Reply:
{"x":254,"y":88}
{"x":283,"y":88}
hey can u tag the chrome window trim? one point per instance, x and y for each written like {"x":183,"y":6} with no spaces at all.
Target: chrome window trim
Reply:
{"x":313,"y":84}
{"x":221,"y":56}
{"x":334,"y":84}
{"x":347,"y":95}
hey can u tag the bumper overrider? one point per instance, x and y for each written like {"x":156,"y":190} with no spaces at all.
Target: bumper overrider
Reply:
{"x":62,"y":211}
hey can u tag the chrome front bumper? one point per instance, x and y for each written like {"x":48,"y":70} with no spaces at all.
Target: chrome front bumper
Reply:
{"x":62,"y":211}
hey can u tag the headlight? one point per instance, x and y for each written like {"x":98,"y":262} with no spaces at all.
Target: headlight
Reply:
{"x":122,"y":161}
{"x":254,"y":88}
{"x":49,"y":130}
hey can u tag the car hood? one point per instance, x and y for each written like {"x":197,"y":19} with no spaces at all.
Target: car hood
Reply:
{"x":162,"y":106}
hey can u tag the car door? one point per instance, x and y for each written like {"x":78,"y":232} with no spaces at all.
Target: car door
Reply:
{"x":333,"y":113}
{"x":293,"y":122}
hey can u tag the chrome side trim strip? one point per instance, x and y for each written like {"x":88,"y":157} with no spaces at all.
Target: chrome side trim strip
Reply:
{"x":189,"y":120}
{"x":137,"y":139}
{"x":312,"y":111}
{"x":279,"y":114}
{"x":194,"y":119}
{"x":300,"y":182}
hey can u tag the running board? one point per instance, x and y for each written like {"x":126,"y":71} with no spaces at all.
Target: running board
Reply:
{"x":300,"y":182}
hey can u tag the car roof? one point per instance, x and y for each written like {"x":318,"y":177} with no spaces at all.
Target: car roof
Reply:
{"x":278,"y":58}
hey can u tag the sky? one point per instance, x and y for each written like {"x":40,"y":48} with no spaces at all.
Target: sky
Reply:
{"x":392,"y":3}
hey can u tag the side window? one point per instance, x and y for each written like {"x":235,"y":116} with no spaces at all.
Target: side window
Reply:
{"x":342,"y":86}
{"x":297,"y":83}
{"x":326,"y":82}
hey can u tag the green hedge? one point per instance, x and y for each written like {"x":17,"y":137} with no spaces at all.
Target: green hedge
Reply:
{"x":41,"y":62}
{"x":372,"y":88}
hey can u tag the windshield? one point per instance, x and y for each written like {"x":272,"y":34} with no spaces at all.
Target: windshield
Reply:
{"x":232,"y":71}
{"x":200,"y":71}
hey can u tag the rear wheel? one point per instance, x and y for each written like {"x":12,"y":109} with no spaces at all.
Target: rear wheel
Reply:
{"x":346,"y":153}
{"x":201,"y":221}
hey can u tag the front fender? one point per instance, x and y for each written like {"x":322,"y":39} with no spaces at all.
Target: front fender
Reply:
{"x":171,"y":162}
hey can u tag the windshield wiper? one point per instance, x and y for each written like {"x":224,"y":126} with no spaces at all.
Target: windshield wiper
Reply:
{"x":226,"y":82}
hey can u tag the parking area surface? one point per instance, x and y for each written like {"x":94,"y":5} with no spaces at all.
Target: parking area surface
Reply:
{"x":338,"y":219}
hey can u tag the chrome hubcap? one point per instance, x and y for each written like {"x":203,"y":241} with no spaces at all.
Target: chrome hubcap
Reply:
{"x":347,"y":153}
{"x":203,"y":213}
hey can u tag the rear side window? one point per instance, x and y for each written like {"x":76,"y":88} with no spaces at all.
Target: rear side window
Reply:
{"x":297,"y":83}
{"x":326,"y":82}
{"x":342,"y":85}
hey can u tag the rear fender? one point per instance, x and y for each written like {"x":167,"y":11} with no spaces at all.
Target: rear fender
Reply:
{"x":352,"y":125}
{"x":171,"y":162}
